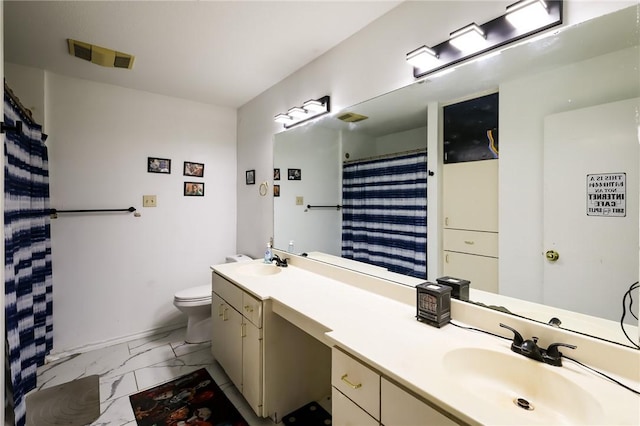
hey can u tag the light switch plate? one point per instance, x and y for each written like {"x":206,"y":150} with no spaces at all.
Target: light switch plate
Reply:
{"x":299,"y":200}
{"x":149,"y":201}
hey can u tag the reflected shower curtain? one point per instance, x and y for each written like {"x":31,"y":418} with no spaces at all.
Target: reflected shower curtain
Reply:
{"x":384,"y":220}
{"x":28,"y":276}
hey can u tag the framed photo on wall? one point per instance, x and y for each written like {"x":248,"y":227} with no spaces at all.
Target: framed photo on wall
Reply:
{"x":276,"y":190}
{"x":250,"y":177}
{"x":193,"y":169}
{"x":158,"y":165}
{"x":276,"y":174}
{"x":294,"y":174}
{"x":194,"y":189}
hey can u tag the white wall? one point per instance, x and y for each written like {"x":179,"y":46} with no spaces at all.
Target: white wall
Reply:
{"x":115,"y":274}
{"x":370,"y":63}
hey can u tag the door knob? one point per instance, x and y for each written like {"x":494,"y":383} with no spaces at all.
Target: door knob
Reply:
{"x":552,"y":255}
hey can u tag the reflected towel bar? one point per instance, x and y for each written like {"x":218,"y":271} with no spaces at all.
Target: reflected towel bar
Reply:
{"x":337,"y":207}
{"x":55,"y":211}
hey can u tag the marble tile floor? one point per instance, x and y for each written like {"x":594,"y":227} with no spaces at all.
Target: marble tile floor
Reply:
{"x":130,"y":367}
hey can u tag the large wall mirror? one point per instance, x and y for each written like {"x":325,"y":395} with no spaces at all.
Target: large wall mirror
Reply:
{"x":563,"y":99}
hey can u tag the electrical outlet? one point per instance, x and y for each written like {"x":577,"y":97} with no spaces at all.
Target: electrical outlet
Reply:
{"x":299,"y":201}
{"x":149,"y":201}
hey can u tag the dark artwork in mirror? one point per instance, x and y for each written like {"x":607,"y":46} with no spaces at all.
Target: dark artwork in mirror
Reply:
{"x":471,"y":130}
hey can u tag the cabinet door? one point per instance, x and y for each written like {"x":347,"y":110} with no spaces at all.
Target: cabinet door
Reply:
{"x":400,"y":408}
{"x":482,"y":271}
{"x":252,"y":366}
{"x":346,"y":413}
{"x":470,"y":195}
{"x":226,"y":340}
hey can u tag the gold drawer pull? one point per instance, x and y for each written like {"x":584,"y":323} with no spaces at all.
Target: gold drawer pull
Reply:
{"x":248,"y":308}
{"x":353,"y":386}
{"x":469,"y":242}
{"x":220,"y":310}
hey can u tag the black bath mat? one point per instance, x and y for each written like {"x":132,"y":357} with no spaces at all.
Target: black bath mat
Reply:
{"x":191,"y":399}
{"x":311,"y":414}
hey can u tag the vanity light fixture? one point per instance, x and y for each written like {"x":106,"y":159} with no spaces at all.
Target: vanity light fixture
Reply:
{"x":283,"y":118}
{"x":297,"y":112}
{"x":310,"y":109}
{"x":468,"y":39}
{"x":527,"y":14}
{"x":538,"y":16}
{"x":422,"y":57}
{"x":315,"y":106}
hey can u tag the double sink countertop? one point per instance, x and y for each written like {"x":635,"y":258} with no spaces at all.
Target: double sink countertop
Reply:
{"x":471,"y":375}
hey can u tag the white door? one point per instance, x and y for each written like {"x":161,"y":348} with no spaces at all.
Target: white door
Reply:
{"x":591,"y":161}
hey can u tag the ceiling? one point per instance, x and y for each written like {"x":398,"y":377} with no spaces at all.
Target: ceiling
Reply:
{"x":223,"y":53}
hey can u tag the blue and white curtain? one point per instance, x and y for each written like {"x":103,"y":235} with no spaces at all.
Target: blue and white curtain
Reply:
{"x":384,"y":219}
{"x":27,"y":243}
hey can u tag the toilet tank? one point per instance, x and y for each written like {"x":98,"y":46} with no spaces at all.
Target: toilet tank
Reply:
{"x":238,"y":258}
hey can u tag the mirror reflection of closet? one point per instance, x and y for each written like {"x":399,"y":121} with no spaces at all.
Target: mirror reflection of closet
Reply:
{"x":589,"y":65}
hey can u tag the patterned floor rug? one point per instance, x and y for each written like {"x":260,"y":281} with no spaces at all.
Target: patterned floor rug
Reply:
{"x":192,"y":399}
{"x":76,"y":403}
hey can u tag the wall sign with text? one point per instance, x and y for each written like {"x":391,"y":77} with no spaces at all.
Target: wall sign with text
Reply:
{"x":606,"y":194}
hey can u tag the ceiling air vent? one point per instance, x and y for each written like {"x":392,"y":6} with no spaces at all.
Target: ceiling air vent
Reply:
{"x":352,"y":117}
{"x":100,"y":55}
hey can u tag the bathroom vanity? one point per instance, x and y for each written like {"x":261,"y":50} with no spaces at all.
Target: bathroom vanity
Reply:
{"x":302,"y":333}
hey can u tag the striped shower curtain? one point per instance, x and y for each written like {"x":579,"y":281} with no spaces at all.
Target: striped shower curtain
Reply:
{"x":384,"y":220}
{"x":27,"y":270}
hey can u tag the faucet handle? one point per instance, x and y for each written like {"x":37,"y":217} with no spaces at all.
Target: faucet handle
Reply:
{"x":553,"y":352}
{"x":517,"y":337}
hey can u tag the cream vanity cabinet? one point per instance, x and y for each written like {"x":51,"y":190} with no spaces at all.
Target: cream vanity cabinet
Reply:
{"x":363,"y":397}
{"x":236,"y":341}
{"x":470,"y":234}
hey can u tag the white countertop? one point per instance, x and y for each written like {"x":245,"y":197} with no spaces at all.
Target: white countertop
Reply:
{"x":385,"y":334}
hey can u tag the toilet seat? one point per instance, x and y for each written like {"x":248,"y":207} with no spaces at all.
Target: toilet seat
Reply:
{"x":194,"y":294}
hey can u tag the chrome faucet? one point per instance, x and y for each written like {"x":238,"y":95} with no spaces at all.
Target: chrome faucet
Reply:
{"x":530,"y":348}
{"x":280,"y":262}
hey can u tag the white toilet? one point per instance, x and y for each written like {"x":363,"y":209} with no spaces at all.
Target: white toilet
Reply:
{"x":195,"y":302}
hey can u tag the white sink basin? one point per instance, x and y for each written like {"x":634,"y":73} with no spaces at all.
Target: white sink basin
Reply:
{"x":530,"y":389}
{"x":259,"y":269}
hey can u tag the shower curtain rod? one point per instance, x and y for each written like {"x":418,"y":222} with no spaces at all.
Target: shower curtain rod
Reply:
{"x":381,"y":156}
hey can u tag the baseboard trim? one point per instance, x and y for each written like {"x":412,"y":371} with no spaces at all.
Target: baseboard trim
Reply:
{"x":110,"y":342}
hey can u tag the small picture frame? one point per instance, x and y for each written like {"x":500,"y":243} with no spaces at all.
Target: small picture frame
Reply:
{"x":276,"y":174}
{"x":276,"y":190}
{"x":250,"y":177}
{"x":158,"y":165}
{"x":194,"y":189}
{"x":294,"y":174}
{"x":193,"y":169}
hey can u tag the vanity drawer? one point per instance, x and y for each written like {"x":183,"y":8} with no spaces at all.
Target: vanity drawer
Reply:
{"x":472,"y":242}
{"x":400,"y":408}
{"x":252,"y":309}
{"x":228,"y":291}
{"x":345,"y":413}
{"x":356,"y":381}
